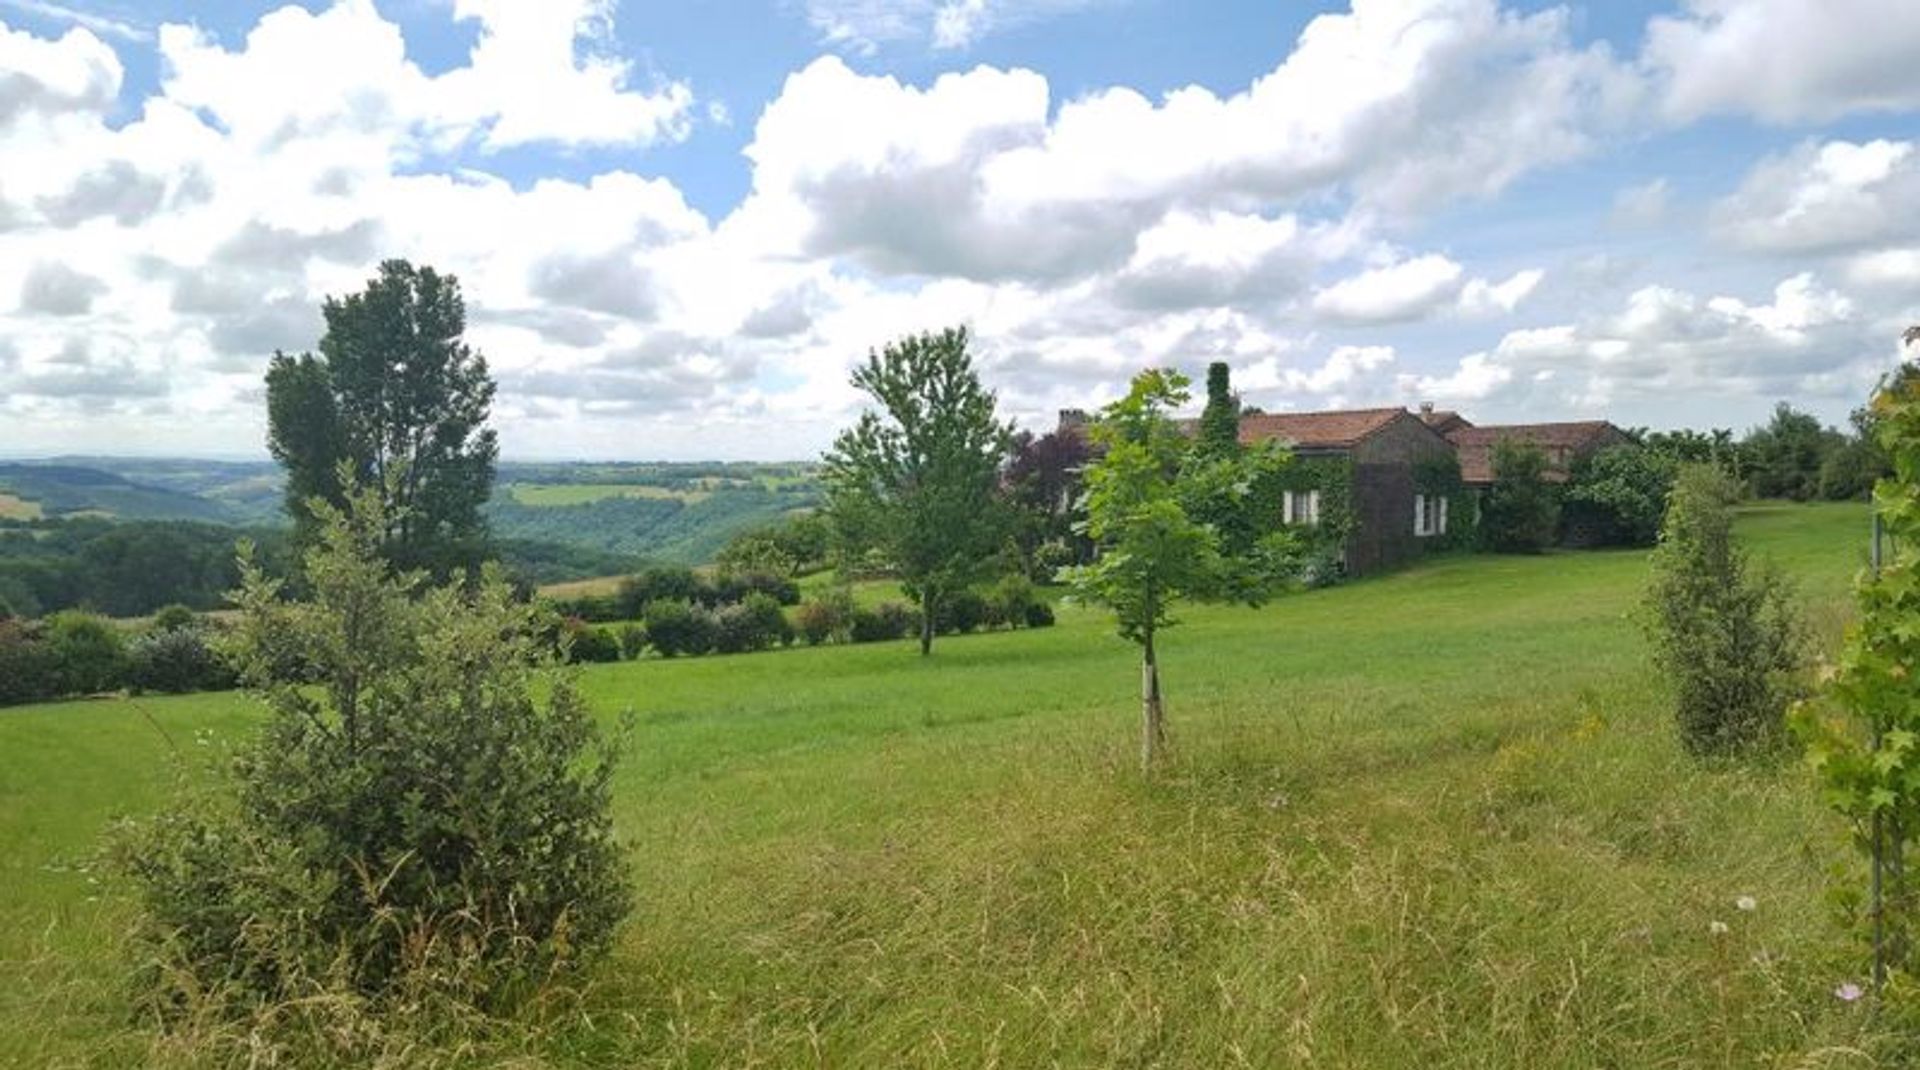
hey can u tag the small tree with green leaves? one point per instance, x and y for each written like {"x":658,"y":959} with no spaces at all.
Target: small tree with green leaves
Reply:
{"x":424,"y":817}
{"x":1724,"y":632}
{"x":1521,"y":512}
{"x":919,"y":480}
{"x":1864,"y":741}
{"x":1153,"y":552}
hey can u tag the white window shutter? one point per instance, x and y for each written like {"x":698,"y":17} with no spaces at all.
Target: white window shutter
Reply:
{"x":1443,"y":515}
{"x":1419,"y":514}
{"x":1286,"y":507}
{"x":1313,"y":507}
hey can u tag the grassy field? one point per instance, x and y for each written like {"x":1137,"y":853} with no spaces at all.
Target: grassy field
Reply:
{"x":13,"y":507}
{"x":550,"y":494}
{"x":1434,"y":819}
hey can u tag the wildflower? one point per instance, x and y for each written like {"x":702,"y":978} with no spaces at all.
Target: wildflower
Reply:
{"x":1847,"y":992}
{"x":1717,"y":928}
{"x":1747,"y":903}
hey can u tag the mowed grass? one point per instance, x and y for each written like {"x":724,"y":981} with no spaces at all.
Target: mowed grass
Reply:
{"x":551,"y":494}
{"x":1433,"y":819}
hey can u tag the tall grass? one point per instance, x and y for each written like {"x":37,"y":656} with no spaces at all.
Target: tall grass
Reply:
{"x":1438,"y":819}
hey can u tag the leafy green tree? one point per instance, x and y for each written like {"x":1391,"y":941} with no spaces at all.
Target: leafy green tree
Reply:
{"x":1783,"y":458}
{"x":396,"y":400}
{"x":919,"y":480}
{"x":1521,"y":512}
{"x":1220,"y":420}
{"x":1622,"y":490}
{"x":1153,"y":553}
{"x":424,"y":817}
{"x":1724,"y":632}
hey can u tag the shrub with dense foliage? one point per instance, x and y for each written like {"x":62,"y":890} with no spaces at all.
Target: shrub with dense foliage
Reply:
{"x":89,"y":653}
{"x":1619,"y":495}
{"x":675,"y":628}
{"x":27,"y":672}
{"x":823,"y":618}
{"x":1724,"y":632}
{"x":430,"y":824}
{"x":588,"y":644}
{"x":176,"y":660}
{"x":1521,"y":511}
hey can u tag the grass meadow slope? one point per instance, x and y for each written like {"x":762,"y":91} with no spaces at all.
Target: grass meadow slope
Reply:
{"x":1434,"y":819}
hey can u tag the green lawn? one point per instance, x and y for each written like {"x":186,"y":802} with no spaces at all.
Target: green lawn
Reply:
{"x":1433,"y":819}
{"x":550,"y":494}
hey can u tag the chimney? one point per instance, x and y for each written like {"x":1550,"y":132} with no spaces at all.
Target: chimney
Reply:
{"x":1073,"y":419}
{"x":1426,"y":409}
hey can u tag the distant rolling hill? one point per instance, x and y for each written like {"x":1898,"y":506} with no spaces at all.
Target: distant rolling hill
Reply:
{"x":681,"y":513}
{"x":56,"y":490}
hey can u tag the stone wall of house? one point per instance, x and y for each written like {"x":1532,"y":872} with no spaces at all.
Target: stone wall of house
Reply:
{"x":1383,"y":490}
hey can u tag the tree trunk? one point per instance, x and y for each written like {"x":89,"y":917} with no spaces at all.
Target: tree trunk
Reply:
{"x":1153,"y":733}
{"x":926,"y":622}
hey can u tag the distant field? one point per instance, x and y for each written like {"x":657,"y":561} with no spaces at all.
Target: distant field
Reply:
{"x":1435,"y":819}
{"x":16,"y":508}
{"x":549,"y":494}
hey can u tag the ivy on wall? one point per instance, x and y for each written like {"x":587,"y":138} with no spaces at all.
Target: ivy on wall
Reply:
{"x":1333,"y":478}
{"x":1440,"y":476}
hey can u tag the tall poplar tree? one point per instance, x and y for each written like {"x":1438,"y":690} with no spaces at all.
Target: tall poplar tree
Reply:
{"x":402,"y":402}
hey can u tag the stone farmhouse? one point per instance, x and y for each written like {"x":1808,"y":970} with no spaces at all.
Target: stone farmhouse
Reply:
{"x":1384,"y":486}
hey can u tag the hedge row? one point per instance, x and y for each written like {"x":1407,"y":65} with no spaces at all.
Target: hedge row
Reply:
{"x":75,"y":653}
{"x":676,"y":584}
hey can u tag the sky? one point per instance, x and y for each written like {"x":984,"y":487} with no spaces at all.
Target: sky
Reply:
{"x":679,"y":224}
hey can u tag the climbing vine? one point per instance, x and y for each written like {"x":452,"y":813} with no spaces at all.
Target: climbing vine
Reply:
{"x":1440,"y":476}
{"x":1324,"y":545}
{"x":1864,"y":743}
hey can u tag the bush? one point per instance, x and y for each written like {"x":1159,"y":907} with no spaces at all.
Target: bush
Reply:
{"x":1724,"y":633}
{"x":769,"y":618}
{"x":675,"y":628}
{"x":1012,"y":597}
{"x":594,"y":609}
{"x":431,"y":826}
{"x":1521,"y":513}
{"x":633,"y":641}
{"x":736,"y":586}
{"x":175,"y":661}
{"x":89,"y":653}
{"x":824,"y":618}
{"x":663,"y":583}
{"x":28,"y":671}
{"x":173,"y":618}
{"x":963,"y":612}
{"x":590,"y":644}
{"x":1039,"y":615}
{"x":886,"y":621}
{"x":1618,"y":496}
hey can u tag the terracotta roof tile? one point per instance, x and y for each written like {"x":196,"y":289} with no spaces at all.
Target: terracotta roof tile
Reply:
{"x":1317,"y":430}
{"x":1476,"y":443}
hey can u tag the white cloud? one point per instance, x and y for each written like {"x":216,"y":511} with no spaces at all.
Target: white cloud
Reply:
{"x":1399,"y":105}
{"x":1825,"y":197}
{"x":1807,"y":342}
{"x":1785,"y":61}
{"x":1417,"y":288}
{"x":103,"y":25}
{"x":866,"y":25}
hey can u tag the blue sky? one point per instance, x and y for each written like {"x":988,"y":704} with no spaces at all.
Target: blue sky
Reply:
{"x":678,"y":224}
